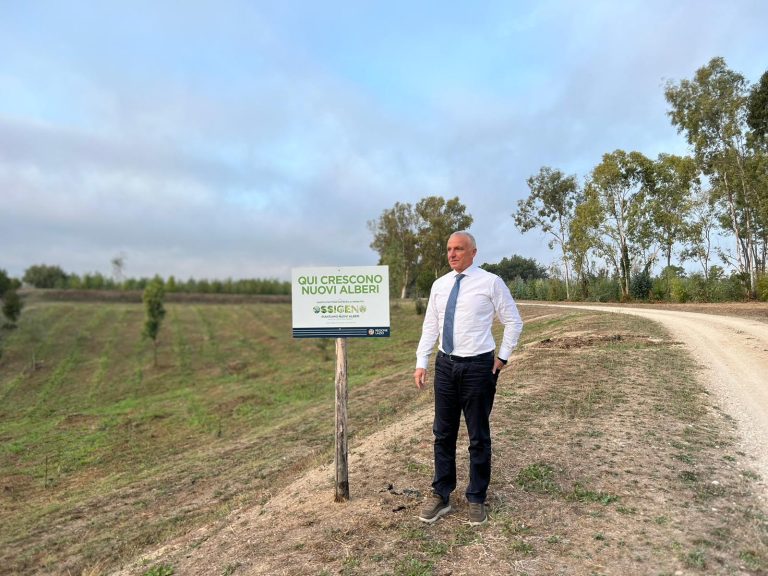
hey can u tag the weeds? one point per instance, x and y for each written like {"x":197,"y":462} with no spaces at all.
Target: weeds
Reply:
{"x":160,"y":570}
{"x":539,"y":478}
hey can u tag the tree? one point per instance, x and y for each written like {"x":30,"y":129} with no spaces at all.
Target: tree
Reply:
{"x":118,"y":268}
{"x":618,"y":186}
{"x":517,"y":267}
{"x":411,"y":240}
{"x":5,"y":282}
{"x":673,"y":183}
{"x":153,"y":297}
{"x":585,"y":238}
{"x":12,"y":306}
{"x":394,"y":238}
{"x":757,"y":108}
{"x":711,"y":110}
{"x":44,"y":276}
{"x":551,"y":207}
{"x":438,"y":219}
{"x":698,"y":232}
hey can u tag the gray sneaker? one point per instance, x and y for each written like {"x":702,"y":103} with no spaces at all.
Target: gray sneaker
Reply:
{"x":477,"y":514}
{"x":433,"y":508}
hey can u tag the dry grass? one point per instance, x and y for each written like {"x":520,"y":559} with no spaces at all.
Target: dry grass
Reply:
{"x":609,"y":458}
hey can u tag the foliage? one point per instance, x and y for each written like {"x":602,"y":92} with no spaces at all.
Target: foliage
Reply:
{"x":45,"y":276}
{"x":54,"y":277}
{"x":395,"y":239}
{"x":160,"y":570}
{"x":12,"y":306}
{"x":757,"y":108}
{"x":154,"y":310}
{"x":411,"y":240}
{"x":438,"y":219}
{"x":762,"y":288}
{"x":711,"y":109}
{"x":634,"y":209}
{"x":640,"y":285}
{"x":5,"y":282}
{"x":516,"y":267}
{"x":672,"y":184}
{"x":618,"y":185}
{"x":551,"y":207}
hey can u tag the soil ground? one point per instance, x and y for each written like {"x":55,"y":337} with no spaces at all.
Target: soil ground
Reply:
{"x":612,"y":456}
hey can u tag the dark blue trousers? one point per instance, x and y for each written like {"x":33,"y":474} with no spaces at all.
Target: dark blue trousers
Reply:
{"x":468,"y":388}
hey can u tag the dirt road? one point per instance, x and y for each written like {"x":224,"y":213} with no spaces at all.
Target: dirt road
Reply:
{"x":733,"y":353}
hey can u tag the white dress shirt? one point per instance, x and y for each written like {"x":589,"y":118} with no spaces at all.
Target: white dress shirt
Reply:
{"x":482,"y":296}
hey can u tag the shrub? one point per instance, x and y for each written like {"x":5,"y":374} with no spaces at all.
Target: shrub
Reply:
{"x":762,"y":288}
{"x":679,"y":291}
{"x":640,"y":285}
{"x":12,"y":306}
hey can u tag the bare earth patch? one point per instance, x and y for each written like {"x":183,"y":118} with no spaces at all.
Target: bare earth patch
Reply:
{"x":611,"y":456}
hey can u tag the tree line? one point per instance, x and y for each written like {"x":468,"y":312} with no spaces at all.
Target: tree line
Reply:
{"x":52,"y":276}
{"x":633,"y":211}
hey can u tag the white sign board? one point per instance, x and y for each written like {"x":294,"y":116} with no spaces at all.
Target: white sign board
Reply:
{"x":331,"y":302}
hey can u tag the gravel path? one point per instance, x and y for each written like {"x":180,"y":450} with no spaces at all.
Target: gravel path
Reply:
{"x":734,"y":354}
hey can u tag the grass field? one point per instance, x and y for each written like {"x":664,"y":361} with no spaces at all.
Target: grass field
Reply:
{"x":105,"y":453}
{"x":608,"y":453}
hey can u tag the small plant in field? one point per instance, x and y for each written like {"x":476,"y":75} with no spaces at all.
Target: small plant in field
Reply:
{"x":436,"y":549}
{"x":582,"y":494}
{"x":411,"y":566}
{"x":350,"y":564}
{"x":750,"y":475}
{"x":751,"y":559}
{"x":420,"y":306}
{"x":160,"y":570}
{"x":466,"y":535}
{"x":153,"y":297}
{"x":12,"y":306}
{"x":695,"y":559}
{"x":688,"y":477}
{"x":539,"y":478}
{"x":521,"y":546}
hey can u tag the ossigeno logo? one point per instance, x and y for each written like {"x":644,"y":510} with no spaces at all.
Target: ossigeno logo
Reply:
{"x":340,"y":309}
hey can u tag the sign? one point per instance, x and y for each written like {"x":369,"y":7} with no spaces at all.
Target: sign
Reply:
{"x":340,"y":302}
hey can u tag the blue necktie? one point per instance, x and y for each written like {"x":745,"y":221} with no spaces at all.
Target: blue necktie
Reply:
{"x":450,"y":311}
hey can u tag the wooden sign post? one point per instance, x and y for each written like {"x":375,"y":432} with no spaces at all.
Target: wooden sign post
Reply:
{"x":342,"y":395}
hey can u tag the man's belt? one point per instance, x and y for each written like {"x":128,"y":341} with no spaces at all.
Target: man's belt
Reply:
{"x":460,"y":359}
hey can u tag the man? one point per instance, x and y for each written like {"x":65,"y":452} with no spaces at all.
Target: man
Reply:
{"x":462,"y":305}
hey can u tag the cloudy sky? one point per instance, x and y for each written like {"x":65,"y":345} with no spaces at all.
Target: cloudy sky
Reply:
{"x":244,"y":138}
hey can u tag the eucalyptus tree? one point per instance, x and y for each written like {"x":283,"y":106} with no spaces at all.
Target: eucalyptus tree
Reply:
{"x":711,"y":109}
{"x":584,"y":238}
{"x":699,"y":231}
{"x":438,"y":219}
{"x":672,"y":188}
{"x":757,"y":109}
{"x":618,"y":190}
{"x":395,"y":235}
{"x":550,"y":207}
{"x":757,"y":120}
{"x":411,"y":239}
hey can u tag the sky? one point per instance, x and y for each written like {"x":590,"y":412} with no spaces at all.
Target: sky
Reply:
{"x":241,"y":139}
